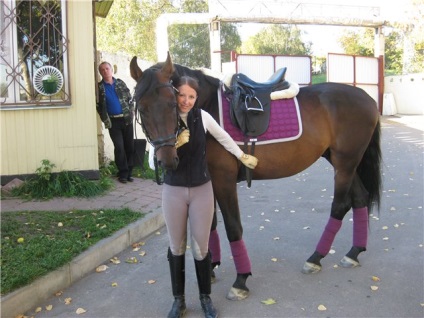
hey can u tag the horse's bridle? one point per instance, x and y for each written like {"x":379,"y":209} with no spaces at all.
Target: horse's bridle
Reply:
{"x":161,"y":141}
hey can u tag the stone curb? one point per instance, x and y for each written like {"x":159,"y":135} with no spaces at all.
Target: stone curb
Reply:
{"x":28,"y":297}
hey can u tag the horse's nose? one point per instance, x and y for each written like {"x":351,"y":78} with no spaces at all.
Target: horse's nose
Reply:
{"x":169,"y":165}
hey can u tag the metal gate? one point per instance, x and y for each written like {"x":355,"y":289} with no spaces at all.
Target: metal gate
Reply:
{"x":360,"y":71}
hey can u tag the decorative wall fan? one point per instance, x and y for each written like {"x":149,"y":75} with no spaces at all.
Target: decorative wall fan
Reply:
{"x":48,"y":80}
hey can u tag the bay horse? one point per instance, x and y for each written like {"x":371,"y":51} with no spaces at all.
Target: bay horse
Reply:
{"x":340,"y":123}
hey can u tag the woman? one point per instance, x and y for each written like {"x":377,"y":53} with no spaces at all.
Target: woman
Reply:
{"x":187,"y":195}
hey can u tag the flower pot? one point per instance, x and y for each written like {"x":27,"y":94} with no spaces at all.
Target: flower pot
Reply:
{"x":50,"y":87}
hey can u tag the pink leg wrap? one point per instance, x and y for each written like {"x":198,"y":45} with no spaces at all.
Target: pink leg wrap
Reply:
{"x":215,"y":246}
{"x":327,"y":238}
{"x":360,"y":227}
{"x":241,"y":259}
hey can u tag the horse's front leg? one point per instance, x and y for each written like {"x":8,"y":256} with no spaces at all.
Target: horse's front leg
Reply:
{"x":226,"y":194}
{"x":341,"y":205}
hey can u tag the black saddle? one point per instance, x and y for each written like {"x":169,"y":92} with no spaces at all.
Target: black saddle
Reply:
{"x":250,"y":101}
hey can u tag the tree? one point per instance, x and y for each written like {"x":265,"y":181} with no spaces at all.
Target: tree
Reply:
{"x":358,"y":43}
{"x":277,"y":39}
{"x":130,"y":27}
{"x":190,"y":44}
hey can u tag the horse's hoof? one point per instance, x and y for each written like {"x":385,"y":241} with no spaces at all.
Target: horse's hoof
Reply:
{"x":347,"y":262}
{"x":310,"y":268}
{"x":237,"y":294}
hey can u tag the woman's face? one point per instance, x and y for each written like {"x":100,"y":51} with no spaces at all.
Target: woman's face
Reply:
{"x":186,"y":97}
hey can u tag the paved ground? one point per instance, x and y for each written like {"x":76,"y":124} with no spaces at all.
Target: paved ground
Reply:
{"x":281,"y":230}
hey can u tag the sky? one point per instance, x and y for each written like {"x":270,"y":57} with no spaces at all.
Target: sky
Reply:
{"x":325,"y":37}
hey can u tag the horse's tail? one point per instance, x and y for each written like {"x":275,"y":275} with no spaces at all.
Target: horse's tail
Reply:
{"x":369,"y":169}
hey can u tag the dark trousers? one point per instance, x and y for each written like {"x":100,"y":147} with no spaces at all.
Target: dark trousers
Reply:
{"x":123,"y":140}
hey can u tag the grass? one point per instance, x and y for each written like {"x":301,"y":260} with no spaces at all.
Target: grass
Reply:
{"x":51,"y":240}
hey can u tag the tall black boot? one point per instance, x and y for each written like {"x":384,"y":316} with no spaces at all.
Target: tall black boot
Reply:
{"x":203,"y":273}
{"x":177,"y":269}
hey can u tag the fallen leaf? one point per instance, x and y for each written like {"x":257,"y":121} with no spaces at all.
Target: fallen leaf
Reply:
{"x":59,"y":293}
{"x":157,"y":233}
{"x":20,"y":240}
{"x":136,"y":249}
{"x":81,"y":311}
{"x":374,"y":288}
{"x":151,"y":281}
{"x":114,"y":284}
{"x":274,"y":259}
{"x":331,"y":251}
{"x":385,"y":227}
{"x":276,"y":238}
{"x":336,"y":266}
{"x":269,"y":301}
{"x":131,"y":260}
{"x":115,"y":260}
{"x":49,"y":307}
{"x":134,"y":245}
{"x":103,"y":226}
{"x":261,"y":228}
{"x":396,"y":225}
{"x":267,"y":220}
{"x":306,"y":227}
{"x":385,"y":238}
{"x":322,"y":308}
{"x":60,"y":224}
{"x":38,"y":309}
{"x":101,"y":268}
{"x":68,"y":301}
{"x":142,"y":253}
{"x":375,"y":278}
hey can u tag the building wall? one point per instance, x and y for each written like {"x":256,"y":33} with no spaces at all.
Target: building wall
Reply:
{"x":406,"y":94}
{"x":64,"y":136}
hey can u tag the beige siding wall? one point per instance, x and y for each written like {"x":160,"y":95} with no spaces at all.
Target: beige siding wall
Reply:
{"x":66,"y":136}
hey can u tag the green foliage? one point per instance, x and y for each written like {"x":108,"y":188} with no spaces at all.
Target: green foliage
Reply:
{"x":277,"y":39}
{"x":319,"y":78}
{"x":130,"y":27}
{"x":189,"y":44}
{"x":47,"y":246}
{"x":358,"y":42}
{"x":46,"y":185}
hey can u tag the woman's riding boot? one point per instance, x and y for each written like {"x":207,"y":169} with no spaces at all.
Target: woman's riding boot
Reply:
{"x":203,"y":273}
{"x":177,"y":268}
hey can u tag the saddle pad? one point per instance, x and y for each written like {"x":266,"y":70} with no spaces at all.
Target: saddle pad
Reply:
{"x":285,"y":123}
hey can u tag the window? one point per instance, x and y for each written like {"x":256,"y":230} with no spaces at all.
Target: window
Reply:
{"x":33,"y":35}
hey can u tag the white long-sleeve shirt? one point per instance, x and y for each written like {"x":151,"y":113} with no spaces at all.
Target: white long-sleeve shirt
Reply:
{"x":211,"y":126}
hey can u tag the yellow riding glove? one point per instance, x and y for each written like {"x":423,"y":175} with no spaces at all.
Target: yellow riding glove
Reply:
{"x":182,"y":138}
{"x":249,"y":161}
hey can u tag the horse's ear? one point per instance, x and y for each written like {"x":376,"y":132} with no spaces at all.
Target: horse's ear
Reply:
{"x":168,"y":67}
{"x":135,"y":71}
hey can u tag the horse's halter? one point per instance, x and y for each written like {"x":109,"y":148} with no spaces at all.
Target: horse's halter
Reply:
{"x":160,"y":141}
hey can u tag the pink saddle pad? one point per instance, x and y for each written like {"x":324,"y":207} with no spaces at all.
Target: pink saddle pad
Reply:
{"x":285,"y":123}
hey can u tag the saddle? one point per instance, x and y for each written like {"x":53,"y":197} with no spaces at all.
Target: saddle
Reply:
{"x":250,"y":101}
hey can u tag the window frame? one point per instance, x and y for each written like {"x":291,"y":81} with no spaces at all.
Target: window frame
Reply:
{"x":15,"y":79}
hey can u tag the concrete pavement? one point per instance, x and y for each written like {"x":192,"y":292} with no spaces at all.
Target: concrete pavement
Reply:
{"x":142,"y":195}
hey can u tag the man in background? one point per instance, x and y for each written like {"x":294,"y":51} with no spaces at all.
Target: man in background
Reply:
{"x":117,"y":113}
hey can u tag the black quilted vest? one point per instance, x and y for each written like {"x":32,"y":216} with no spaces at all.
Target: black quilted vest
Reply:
{"x":192,"y":169}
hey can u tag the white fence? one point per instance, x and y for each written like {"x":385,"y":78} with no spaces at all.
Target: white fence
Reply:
{"x":404,"y":94}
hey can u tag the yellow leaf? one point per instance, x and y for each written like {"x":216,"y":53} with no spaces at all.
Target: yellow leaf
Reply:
{"x":274,"y":259}
{"x":131,"y":260}
{"x":151,"y":281}
{"x":142,"y":253}
{"x":49,"y":307}
{"x":114,"y":284}
{"x":101,"y":268}
{"x":81,"y":311}
{"x":375,"y":278}
{"x":60,"y":224}
{"x":269,"y":301}
{"x":322,"y":308}
{"x":20,"y":240}
{"x":115,"y":260}
{"x":136,"y":249}
{"x":157,"y":233}
{"x":374,"y":288}
{"x":38,"y":309}
{"x":68,"y":301}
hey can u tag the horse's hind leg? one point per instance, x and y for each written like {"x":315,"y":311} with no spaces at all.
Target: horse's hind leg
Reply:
{"x":344,"y":176}
{"x":359,"y":197}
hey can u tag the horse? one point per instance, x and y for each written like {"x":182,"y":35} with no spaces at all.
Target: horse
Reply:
{"x":341,"y":123}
